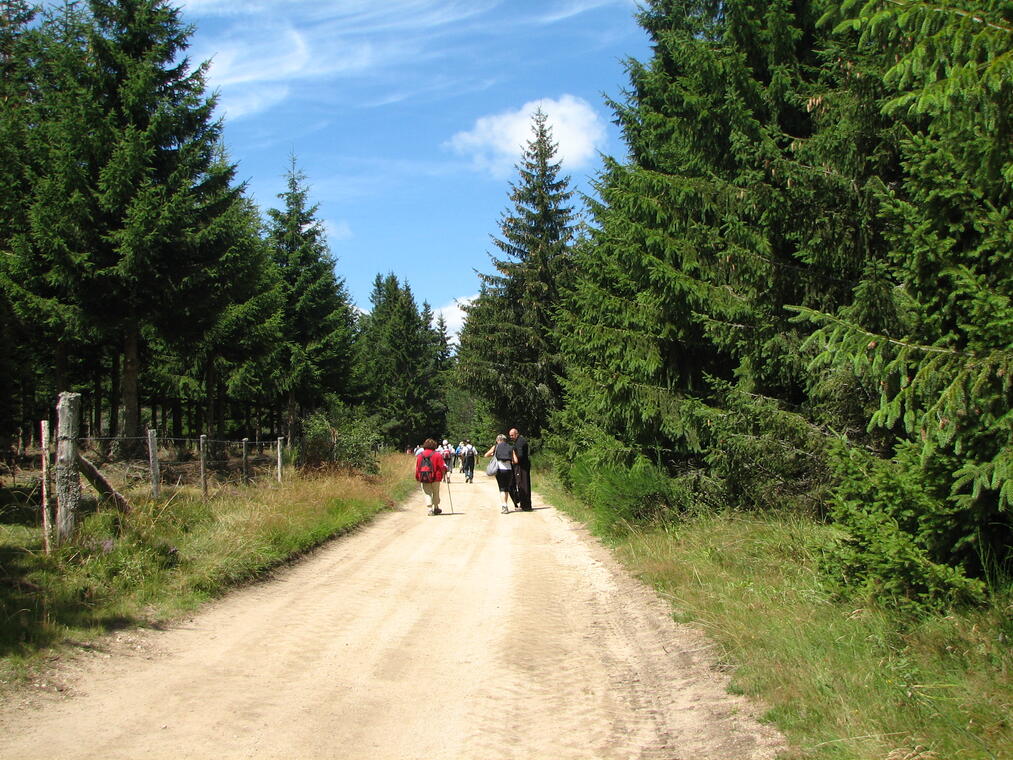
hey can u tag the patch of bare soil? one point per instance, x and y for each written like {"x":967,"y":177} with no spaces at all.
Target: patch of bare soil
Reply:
{"x":467,"y":635}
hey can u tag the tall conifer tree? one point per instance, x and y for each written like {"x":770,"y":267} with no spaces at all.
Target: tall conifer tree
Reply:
{"x":129,"y":198}
{"x":317,"y":314}
{"x":396,"y":360}
{"x":509,"y":352}
{"x":941,"y":486}
{"x":16,"y":71}
{"x":694,"y":252}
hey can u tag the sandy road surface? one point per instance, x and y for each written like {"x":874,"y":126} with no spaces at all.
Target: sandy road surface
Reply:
{"x":475,"y":635}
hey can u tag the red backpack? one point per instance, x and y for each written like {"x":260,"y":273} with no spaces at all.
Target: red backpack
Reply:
{"x":426,"y":469}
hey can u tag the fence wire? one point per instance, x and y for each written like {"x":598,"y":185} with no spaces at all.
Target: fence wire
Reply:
{"x":127,"y":462}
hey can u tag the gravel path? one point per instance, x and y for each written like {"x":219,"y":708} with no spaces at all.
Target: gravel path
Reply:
{"x":473,"y":635}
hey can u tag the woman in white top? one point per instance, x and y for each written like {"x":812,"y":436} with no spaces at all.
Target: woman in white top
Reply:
{"x":506,"y":458}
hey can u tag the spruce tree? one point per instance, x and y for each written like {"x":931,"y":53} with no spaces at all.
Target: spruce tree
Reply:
{"x":509,"y":351}
{"x":16,"y":72}
{"x":47,"y":119}
{"x":317,"y":319}
{"x":938,"y":372}
{"x":396,"y":362}
{"x":127,"y":198}
{"x":696,"y":244}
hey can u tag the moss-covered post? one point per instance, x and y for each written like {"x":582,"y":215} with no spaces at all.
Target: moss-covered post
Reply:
{"x":68,"y":478}
{"x":156,"y":475}
{"x":204,"y":465}
{"x":47,"y":507}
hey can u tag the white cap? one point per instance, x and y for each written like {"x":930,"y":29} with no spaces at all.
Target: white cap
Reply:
{"x":444,"y":441}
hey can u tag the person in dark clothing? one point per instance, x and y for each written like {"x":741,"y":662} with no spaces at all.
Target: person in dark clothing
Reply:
{"x":468,"y":455}
{"x":521,"y":490}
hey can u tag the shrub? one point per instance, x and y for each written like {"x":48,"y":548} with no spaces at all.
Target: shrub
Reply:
{"x":621,"y":495}
{"x":892,"y":547}
{"x":338,"y":438}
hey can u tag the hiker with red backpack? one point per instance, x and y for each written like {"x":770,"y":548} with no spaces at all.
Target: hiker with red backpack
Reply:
{"x":429,"y":471}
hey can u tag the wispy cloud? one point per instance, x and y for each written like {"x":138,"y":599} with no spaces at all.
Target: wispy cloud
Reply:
{"x":236,"y":103}
{"x":290,"y":41}
{"x":495,"y":143}
{"x":566,"y":10}
{"x":350,"y":16}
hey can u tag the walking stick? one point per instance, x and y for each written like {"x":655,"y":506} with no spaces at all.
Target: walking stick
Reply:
{"x":451,"y":497}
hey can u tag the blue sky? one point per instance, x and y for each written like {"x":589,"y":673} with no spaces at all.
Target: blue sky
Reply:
{"x":408,"y":116}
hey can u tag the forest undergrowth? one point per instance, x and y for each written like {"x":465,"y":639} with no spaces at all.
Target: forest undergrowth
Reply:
{"x":841,"y":680}
{"x":169,"y":555}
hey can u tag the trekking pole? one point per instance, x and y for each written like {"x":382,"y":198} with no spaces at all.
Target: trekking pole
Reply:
{"x":451,"y":497}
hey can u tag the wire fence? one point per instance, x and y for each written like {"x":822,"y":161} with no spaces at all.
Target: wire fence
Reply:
{"x":184,"y":462}
{"x":167,"y":462}
{"x":117,"y":466}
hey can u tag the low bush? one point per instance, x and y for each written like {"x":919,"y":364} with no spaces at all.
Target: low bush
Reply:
{"x":339,"y":439}
{"x":899,"y":544}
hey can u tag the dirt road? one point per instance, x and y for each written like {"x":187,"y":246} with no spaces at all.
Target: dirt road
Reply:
{"x":474,"y":635}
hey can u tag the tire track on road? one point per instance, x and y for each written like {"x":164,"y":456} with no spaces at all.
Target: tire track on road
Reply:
{"x":473,"y":635}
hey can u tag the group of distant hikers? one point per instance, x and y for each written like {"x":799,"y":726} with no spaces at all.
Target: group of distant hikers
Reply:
{"x":510,"y":463}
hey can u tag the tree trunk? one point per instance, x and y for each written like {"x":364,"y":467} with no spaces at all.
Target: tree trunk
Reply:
{"x":211,"y":394}
{"x":129,"y":443}
{"x":177,"y":417}
{"x":96,"y":407}
{"x":220,"y":408}
{"x":114,"y":396}
{"x":60,"y":367}
{"x":290,"y":417}
{"x":131,"y":391}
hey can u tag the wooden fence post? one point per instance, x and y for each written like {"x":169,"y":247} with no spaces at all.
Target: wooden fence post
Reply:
{"x":204,"y":465}
{"x":280,"y":441}
{"x":246,"y":461}
{"x":68,"y":479}
{"x":47,"y":507}
{"x":156,"y":475}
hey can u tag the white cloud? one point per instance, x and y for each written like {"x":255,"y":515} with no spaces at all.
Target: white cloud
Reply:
{"x":339,"y":230}
{"x":496,"y":142}
{"x":238,"y":102}
{"x":453,"y":314}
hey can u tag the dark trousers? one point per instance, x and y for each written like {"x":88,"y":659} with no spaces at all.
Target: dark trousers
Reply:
{"x":520,"y":490}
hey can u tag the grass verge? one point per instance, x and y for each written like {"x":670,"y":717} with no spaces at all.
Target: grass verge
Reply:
{"x":170,"y":555}
{"x":841,"y":681}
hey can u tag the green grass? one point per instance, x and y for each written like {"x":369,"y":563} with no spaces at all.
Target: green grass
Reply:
{"x":841,"y":680}
{"x":169,"y":555}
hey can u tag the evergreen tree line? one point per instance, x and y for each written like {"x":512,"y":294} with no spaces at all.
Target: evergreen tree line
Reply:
{"x":135,"y":269}
{"x":793,"y":293}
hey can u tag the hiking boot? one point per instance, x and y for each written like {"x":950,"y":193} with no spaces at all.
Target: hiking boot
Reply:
{"x":504,"y":509}
{"x":437,"y":511}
